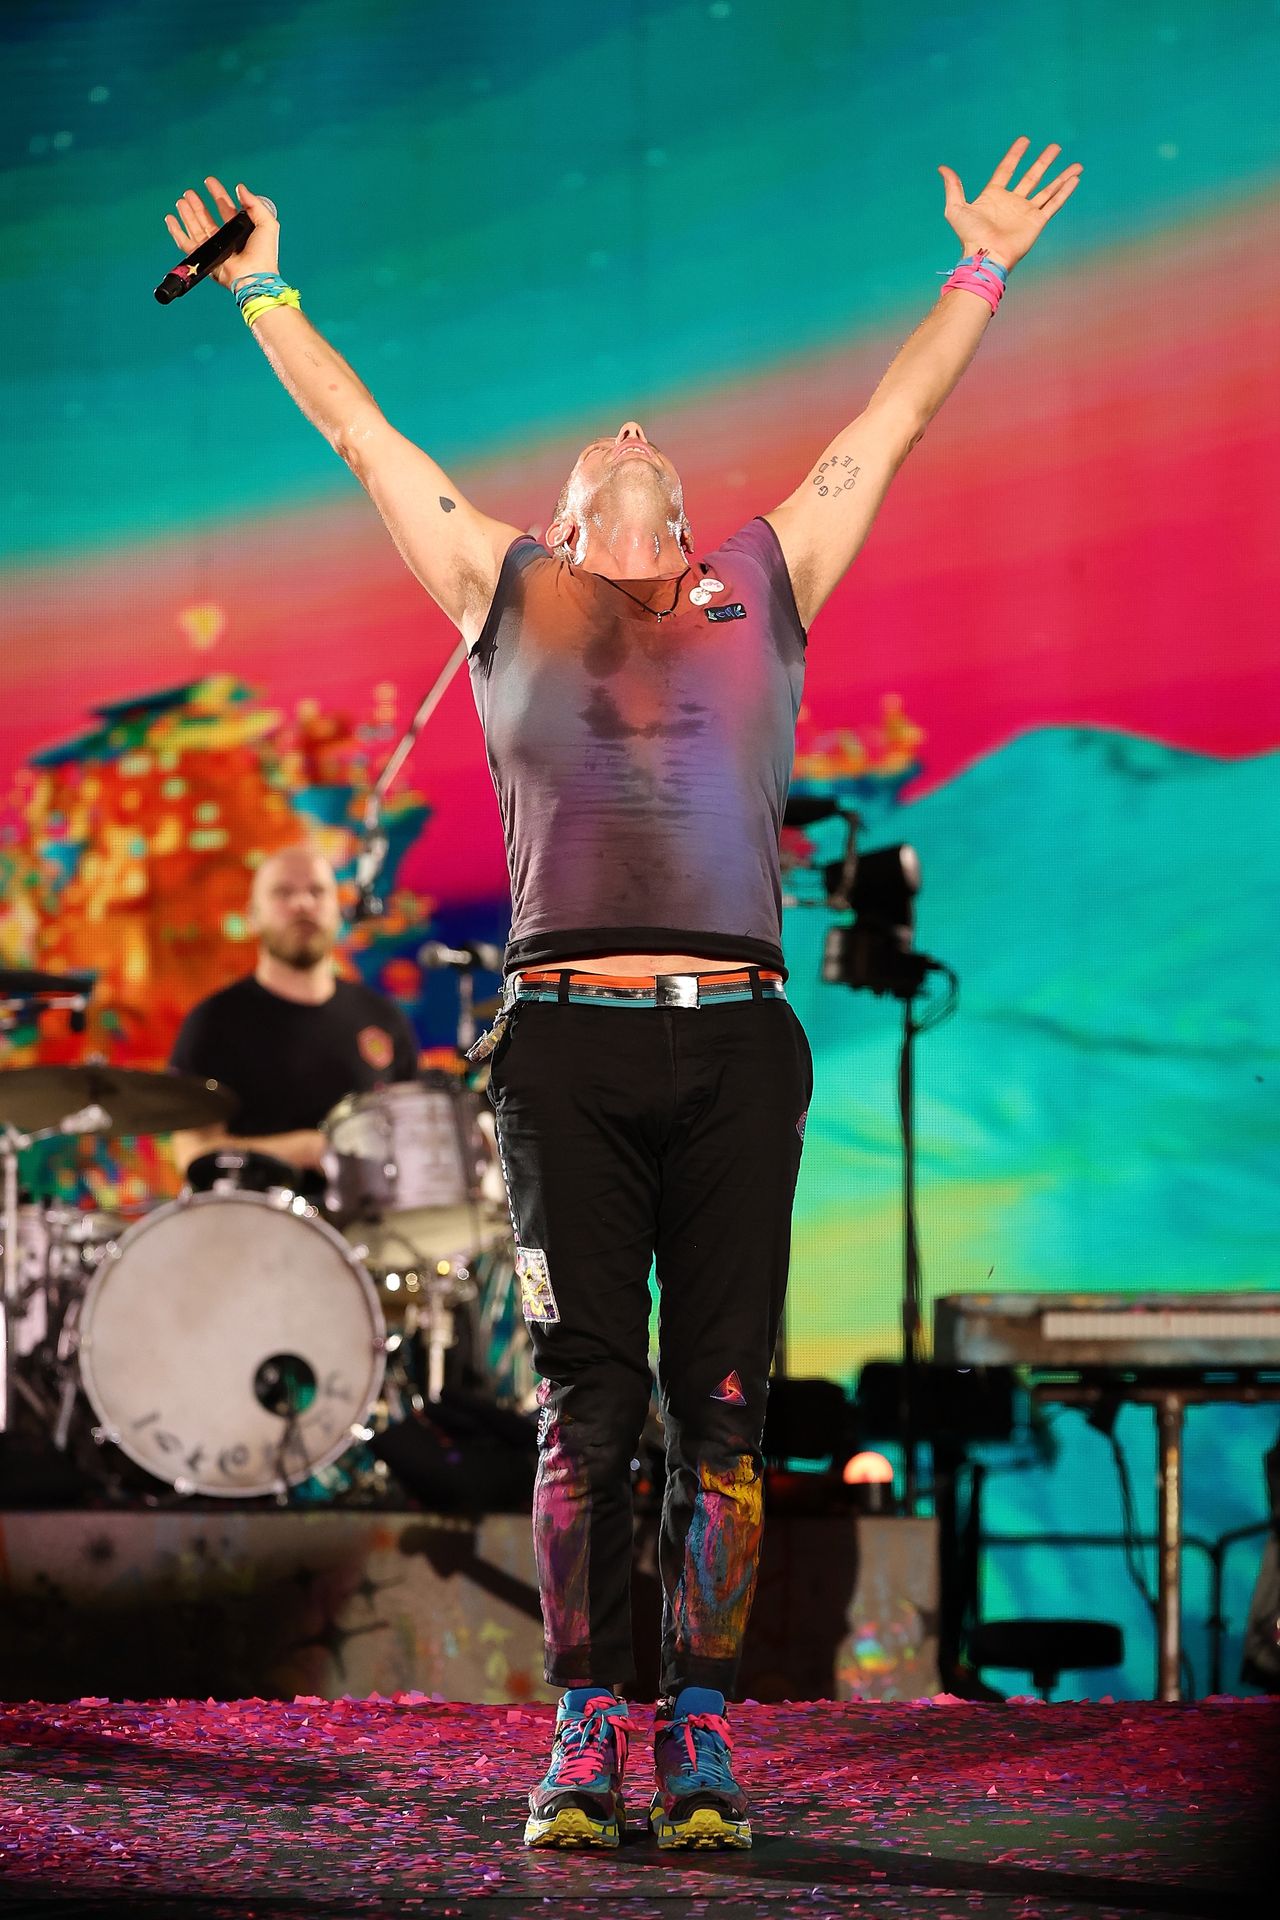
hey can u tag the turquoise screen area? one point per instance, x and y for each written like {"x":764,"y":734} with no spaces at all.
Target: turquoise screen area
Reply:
{"x":1051,"y":669}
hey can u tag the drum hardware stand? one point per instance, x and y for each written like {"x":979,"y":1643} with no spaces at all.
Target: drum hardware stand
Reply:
{"x":436,"y":1317}
{"x":441,"y":1330}
{"x":373,"y":839}
{"x":11,"y":1145}
{"x":66,"y":1402}
{"x":21,"y":994}
{"x":287,"y":1439}
{"x":401,"y":1378}
{"x":499,"y":1291}
{"x":466,"y":1021}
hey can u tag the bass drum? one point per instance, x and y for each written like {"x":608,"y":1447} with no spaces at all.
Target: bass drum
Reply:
{"x":231,"y":1343}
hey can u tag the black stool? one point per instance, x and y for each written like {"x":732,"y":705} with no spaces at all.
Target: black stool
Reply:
{"x":1046,"y":1648}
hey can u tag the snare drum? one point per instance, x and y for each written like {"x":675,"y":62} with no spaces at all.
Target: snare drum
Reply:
{"x":231,"y":1343}
{"x":243,"y":1170}
{"x":413,"y":1178}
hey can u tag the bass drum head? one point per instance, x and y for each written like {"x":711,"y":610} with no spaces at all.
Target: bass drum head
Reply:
{"x":230,"y":1344}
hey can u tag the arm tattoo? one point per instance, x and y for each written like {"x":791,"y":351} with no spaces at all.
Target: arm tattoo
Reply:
{"x":836,"y":475}
{"x":446,"y":504}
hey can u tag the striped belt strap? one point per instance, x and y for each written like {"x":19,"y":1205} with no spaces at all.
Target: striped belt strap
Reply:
{"x":644,"y":990}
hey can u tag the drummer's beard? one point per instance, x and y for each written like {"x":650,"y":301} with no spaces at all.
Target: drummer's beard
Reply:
{"x":302,"y":945}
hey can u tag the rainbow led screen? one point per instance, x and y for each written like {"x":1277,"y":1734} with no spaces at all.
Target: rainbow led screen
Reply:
{"x":1052,"y":669}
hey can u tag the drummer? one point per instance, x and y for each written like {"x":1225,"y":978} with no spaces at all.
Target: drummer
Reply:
{"x":291,"y":1039}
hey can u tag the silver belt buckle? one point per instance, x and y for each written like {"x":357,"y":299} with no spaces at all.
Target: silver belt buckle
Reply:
{"x":676,"y":990}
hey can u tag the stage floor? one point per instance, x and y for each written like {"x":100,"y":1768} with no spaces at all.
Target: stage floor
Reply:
{"x":414,"y":1806}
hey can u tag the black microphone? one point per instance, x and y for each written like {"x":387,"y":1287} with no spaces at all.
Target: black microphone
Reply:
{"x":209,"y":254}
{"x":466,"y":958}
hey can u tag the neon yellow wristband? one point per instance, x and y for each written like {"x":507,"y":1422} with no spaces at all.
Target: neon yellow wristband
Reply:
{"x":251,"y":310}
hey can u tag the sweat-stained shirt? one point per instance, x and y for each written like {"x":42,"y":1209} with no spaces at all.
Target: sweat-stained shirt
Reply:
{"x":642,"y":765}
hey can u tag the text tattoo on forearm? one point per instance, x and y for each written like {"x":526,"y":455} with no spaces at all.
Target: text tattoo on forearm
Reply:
{"x":836,"y":475}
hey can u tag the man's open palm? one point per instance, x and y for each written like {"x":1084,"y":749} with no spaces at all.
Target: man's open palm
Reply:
{"x":1007,"y":220}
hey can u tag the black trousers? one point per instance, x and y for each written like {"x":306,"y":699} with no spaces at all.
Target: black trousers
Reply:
{"x":627,"y":1134}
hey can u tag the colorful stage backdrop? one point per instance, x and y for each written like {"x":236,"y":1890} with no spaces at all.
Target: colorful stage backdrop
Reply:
{"x":1052,"y":669}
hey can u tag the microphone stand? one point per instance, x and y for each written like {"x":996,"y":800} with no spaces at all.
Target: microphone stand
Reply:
{"x":373,"y":839}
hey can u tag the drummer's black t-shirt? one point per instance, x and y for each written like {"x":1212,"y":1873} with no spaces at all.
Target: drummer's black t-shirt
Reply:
{"x":289,"y":1063}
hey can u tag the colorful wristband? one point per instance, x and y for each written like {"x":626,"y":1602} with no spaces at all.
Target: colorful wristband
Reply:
{"x":249,"y":285}
{"x":258,"y":304}
{"x":978,"y":274}
{"x":983,"y":259}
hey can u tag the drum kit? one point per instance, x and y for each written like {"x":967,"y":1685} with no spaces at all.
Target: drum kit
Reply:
{"x":240,"y":1340}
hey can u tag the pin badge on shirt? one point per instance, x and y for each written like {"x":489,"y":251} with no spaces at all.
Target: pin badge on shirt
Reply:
{"x":700,"y":594}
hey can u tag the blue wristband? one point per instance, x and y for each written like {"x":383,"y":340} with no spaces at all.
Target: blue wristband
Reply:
{"x":988,"y":265}
{"x":251,"y":286}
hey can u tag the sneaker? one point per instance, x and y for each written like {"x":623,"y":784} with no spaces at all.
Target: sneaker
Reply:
{"x":698,"y":1802}
{"x":578,"y":1801}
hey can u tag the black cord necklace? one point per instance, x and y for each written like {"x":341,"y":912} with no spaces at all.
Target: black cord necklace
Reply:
{"x":666,"y":611}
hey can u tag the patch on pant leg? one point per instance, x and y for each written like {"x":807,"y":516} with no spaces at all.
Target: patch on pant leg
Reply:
{"x":537,"y":1301}
{"x":730,"y":1391}
{"x":800,"y":1123}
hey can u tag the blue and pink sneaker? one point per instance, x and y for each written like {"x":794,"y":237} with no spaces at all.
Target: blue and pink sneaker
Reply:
{"x":698,"y":1803}
{"x":578,"y":1801}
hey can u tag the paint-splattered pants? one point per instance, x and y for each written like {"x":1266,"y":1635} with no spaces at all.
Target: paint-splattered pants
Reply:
{"x":631,"y":1135}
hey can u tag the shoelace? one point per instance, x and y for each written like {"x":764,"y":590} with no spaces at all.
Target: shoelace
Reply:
{"x":712,"y":1763}
{"x":579,"y":1764}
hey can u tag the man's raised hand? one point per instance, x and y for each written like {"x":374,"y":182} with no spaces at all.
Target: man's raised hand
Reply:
{"x":1007,"y":221}
{"x":194,"y":225}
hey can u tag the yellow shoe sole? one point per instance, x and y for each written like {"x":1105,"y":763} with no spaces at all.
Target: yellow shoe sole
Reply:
{"x":703,"y":1828}
{"x":571,"y":1827}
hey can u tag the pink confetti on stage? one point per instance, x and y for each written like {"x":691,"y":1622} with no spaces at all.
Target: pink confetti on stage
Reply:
{"x":413,"y":1805}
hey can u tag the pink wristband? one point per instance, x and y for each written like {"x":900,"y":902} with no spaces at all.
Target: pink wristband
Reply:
{"x":976,"y":278}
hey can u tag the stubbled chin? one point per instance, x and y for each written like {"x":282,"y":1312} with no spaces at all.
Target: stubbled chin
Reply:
{"x":633,"y":480}
{"x":301,"y":954}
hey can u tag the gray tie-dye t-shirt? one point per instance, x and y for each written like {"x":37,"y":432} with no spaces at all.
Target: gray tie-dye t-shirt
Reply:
{"x":642,"y":764}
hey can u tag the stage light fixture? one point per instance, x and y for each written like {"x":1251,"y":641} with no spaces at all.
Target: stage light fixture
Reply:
{"x":874,"y":949}
{"x":867,"y":1469}
{"x":867,"y":1479}
{"x":870,"y":1483}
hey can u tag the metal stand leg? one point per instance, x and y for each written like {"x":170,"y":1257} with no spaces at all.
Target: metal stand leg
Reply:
{"x":10,"y":1144}
{"x":1169,"y":1417}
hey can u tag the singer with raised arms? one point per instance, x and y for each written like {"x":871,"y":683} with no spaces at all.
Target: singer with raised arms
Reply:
{"x":650,"y":1081}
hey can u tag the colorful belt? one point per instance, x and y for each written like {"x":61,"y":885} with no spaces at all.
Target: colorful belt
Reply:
{"x":559,"y":986}
{"x":645,"y":990}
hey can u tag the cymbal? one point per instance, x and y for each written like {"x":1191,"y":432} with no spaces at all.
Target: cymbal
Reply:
{"x":110,"y":1101}
{"x":23,"y":983}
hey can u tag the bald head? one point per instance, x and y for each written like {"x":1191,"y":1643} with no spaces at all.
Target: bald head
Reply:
{"x":293,"y":906}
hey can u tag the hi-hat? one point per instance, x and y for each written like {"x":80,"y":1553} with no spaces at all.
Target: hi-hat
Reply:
{"x":23,"y":983}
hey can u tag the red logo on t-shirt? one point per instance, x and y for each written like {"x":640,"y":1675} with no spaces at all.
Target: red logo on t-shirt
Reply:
{"x":376,"y":1048}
